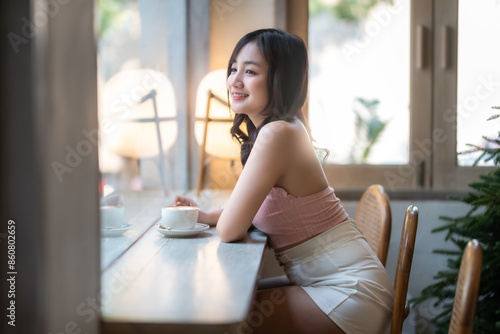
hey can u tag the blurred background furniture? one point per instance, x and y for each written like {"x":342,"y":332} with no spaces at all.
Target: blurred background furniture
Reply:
{"x":373,"y":217}
{"x":466,"y":293}
{"x":401,"y":308}
{"x":138,"y":119}
{"x":213,"y":123}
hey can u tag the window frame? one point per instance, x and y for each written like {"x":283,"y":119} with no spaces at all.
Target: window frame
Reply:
{"x":447,"y":173}
{"x":432,"y":166}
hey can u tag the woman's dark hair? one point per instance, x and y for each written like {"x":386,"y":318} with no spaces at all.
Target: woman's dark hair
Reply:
{"x":287,"y":80}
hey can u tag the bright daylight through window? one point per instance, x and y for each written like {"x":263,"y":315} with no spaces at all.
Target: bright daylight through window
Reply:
{"x":359,"y":80}
{"x":478,"y":75}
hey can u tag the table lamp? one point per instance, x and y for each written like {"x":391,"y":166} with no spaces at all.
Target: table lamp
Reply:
{"x":213,"y":122}
{"x":139,"y":116}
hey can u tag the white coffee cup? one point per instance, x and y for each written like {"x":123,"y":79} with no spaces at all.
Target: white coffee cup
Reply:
{"x":179,"y":217}
{"x":112,"y":216}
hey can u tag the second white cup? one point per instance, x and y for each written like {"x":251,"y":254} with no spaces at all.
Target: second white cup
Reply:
{"x":179,"y":217}
{"x":112,"y":216}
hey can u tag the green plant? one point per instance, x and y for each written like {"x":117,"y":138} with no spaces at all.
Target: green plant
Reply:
{"x":490,"y":150}
{"x":369,"y":127}
{"x":348,"y":10}
{"x":108,"y":11}
{"x":482,"y":222}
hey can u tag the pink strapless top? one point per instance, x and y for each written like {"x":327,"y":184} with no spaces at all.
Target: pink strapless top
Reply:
{"x":287,"y":219}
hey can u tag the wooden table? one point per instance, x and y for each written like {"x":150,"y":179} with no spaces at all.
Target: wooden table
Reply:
{"x":184,"y":285}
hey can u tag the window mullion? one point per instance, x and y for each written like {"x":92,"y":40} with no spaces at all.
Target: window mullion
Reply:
{"x":445,"y":169}
{"x":421,"y":147}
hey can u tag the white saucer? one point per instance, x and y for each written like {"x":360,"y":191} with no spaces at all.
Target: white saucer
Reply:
{"x":198,"y":228}
{"x":115,"y":231}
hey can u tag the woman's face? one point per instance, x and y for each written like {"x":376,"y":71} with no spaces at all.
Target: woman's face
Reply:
{"x":247,"y":83}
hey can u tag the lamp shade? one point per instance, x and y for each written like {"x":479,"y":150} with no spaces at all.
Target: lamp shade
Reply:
{"x":210,"y":98}
{"x":138,"y":113}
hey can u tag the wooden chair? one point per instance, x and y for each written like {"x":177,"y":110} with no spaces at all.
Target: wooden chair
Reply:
{"x":373,"y":217}
{"x":401,"y":308}
{"x":469,"y":275}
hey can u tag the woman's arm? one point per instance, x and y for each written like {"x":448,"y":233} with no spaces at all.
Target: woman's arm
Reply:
{"x":265,"y":166}
{"x":209,"y":217}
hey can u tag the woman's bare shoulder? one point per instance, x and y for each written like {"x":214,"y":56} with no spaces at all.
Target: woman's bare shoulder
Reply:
{"x":281,"y":131}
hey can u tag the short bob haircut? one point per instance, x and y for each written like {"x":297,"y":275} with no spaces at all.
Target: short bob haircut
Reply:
{"x":287,"y":81}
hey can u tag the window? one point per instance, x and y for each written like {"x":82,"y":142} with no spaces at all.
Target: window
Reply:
{"x":384,"y":95}
{"x":359,"y":83}
{"x":451,"y":96}
{"x":478,"y":82}
{"x":146,"y":46}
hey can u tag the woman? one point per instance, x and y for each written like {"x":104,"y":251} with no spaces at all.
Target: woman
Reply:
{"x":338,"y":284}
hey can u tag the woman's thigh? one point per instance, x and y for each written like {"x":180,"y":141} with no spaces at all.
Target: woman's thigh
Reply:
{"x":287,"y":310}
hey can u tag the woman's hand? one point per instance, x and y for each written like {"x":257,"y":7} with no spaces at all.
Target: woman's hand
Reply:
{"x":209,"y":217}
{"x":183,"y":201}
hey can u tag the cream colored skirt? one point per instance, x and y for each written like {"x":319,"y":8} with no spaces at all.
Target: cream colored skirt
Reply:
{"x":344,"y":277}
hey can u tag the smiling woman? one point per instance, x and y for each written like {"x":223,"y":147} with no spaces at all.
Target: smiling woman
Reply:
{"x":286,"y":82}
{"x":283,"y":191}
{"x":246,"y":83}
